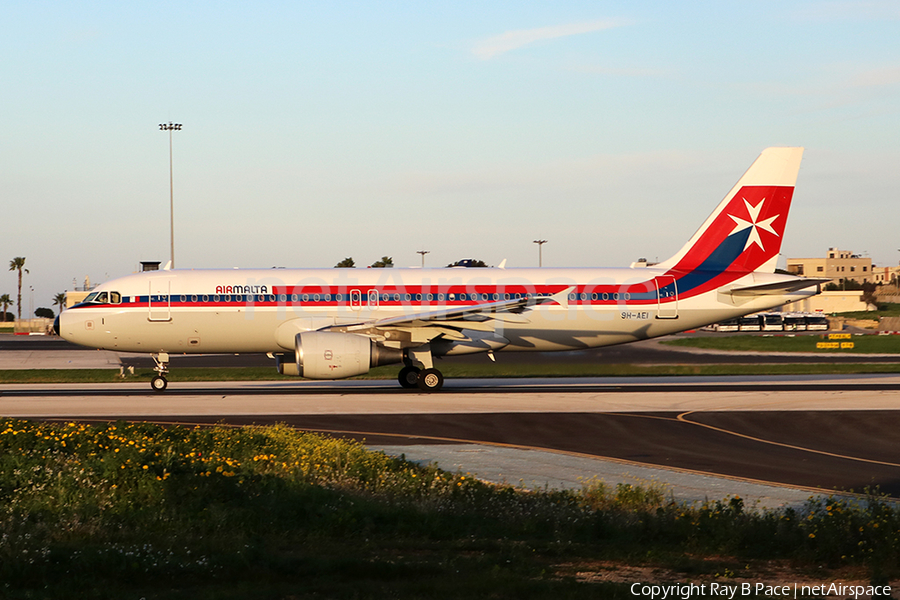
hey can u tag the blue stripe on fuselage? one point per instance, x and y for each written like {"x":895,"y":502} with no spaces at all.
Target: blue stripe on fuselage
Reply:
{"x":715,"y":264}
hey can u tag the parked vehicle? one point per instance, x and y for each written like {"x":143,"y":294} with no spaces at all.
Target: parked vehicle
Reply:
{"x":794,"y":323}
{"x":750,"y":323}
{"x":814,"y":323}
{"x":772,"y":322}
{"x":729,"y":325}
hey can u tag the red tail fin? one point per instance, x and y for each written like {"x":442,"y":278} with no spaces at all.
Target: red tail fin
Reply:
{"x":744,"y":233}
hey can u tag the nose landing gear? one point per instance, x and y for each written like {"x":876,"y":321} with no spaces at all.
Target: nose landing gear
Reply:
{"x":159,"y":381}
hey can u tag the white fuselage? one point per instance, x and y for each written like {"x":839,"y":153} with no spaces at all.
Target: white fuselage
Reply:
{"x":260,"y":310}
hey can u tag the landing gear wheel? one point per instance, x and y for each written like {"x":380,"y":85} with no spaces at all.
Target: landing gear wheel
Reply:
{"x":430,"y":380}
{"x":159,"y":383}
{"x":409,"y":377}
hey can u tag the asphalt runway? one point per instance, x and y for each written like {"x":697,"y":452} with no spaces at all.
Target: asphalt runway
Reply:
{"x":823,"y":432}
{"x":847,"y":451}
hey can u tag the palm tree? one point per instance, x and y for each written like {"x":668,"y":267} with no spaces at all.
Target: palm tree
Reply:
{"x":5,"y":300}
{"x":18,"y":264}
{"x":60,"y":300}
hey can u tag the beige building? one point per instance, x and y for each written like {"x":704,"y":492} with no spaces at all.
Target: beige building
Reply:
{"x":837,"y":265}
{"x":829,"y":303}
{"x":885,"y":275}
{"x":73,"y":297}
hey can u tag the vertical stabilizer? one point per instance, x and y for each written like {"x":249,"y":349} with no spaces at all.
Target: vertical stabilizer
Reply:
{"x":744,"y":233}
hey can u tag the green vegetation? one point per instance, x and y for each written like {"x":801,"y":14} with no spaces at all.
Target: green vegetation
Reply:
{"x":884,"y":310}
{"x":449,"y":370}
{"x":59,"y":301}
{"x":5,"y":301}
{"x":43,"y":312}
{"x":139,"y":510}
{"x":112,"y":376}
{"x":862,"y":344}
{"x":385,"y":262}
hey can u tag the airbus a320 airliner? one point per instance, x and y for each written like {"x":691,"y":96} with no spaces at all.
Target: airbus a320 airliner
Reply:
{"x":336,"y":323}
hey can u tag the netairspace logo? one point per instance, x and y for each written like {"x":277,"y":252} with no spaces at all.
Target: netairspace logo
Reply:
{"x":731,"y":591}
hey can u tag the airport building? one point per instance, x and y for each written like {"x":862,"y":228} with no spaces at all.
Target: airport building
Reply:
{"x":836,"y":265}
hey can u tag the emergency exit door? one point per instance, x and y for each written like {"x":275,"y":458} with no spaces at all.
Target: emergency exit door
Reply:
{"x":666,"y":297}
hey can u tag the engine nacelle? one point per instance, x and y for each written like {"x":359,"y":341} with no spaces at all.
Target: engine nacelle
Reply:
{"x":332,"y":355}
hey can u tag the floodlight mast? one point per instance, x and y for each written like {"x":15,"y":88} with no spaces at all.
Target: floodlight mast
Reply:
{"x":423,"y":253}
{"x":170,"y":127}
{"x":540,"y":244}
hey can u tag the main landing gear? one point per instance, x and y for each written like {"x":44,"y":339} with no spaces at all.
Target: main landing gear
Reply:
{"x":159,"y":381}
{"x":427,"y":380}
{"x":419,"y":371}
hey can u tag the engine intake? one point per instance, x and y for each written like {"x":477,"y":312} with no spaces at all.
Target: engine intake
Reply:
{"x":332,"y":355}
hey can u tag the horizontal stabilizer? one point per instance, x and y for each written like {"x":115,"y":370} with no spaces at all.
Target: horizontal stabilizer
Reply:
{"x":779,"y":287}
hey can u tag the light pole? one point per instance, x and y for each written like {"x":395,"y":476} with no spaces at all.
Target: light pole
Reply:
{"x":540,"y":244}
{"x":170,"y":127}
{"x":423,"y":253}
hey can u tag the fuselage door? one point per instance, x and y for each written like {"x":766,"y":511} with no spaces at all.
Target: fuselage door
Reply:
{"x":355,"y":299}
{"x":159,"y":301}
{"x":666,"y":297}
{"x":372,"y":299}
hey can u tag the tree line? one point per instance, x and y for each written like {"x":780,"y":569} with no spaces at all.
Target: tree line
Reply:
{"x":388,"y":262}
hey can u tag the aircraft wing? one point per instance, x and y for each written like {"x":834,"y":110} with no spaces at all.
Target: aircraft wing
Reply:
{"x":779,"y":287}
{"x":466,"y":317}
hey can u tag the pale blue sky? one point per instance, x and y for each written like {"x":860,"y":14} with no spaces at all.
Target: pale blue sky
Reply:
{"x":315,"y":131}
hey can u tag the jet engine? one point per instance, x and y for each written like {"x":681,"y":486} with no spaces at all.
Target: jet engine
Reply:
{"x":331,"y":355}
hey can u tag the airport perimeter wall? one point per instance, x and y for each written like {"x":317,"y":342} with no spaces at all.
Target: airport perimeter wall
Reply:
{"x":889,"y":324}
{"x":38,"y":325}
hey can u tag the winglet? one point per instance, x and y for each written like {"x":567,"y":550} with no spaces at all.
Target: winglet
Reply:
{"x":561,"y":298}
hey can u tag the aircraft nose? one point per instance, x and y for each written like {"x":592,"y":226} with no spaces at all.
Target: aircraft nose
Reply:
{"x":56,"y":325}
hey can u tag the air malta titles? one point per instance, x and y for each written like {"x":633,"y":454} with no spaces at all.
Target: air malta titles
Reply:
{"x":242,"y":289}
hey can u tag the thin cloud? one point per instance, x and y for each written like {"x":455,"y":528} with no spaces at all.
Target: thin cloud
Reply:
{"x":838,"y":86}
{"x":842,"y":10}
{"x":620,"y":72}
{"x":882,"y":77}
{"x":513,"y":40}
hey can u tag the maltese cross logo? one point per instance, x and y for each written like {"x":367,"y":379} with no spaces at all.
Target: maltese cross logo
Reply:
{"x":754,"y":224}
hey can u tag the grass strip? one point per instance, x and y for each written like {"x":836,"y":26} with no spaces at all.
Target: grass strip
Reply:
{"x":141,"y":510}
{"x":453,"y":371}
{"x":862,"y":344}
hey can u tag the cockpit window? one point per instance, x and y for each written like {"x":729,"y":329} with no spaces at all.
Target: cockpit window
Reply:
{"x":91,"y":297}
{"x":115,"y":298}
{"x":103,"y":298}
